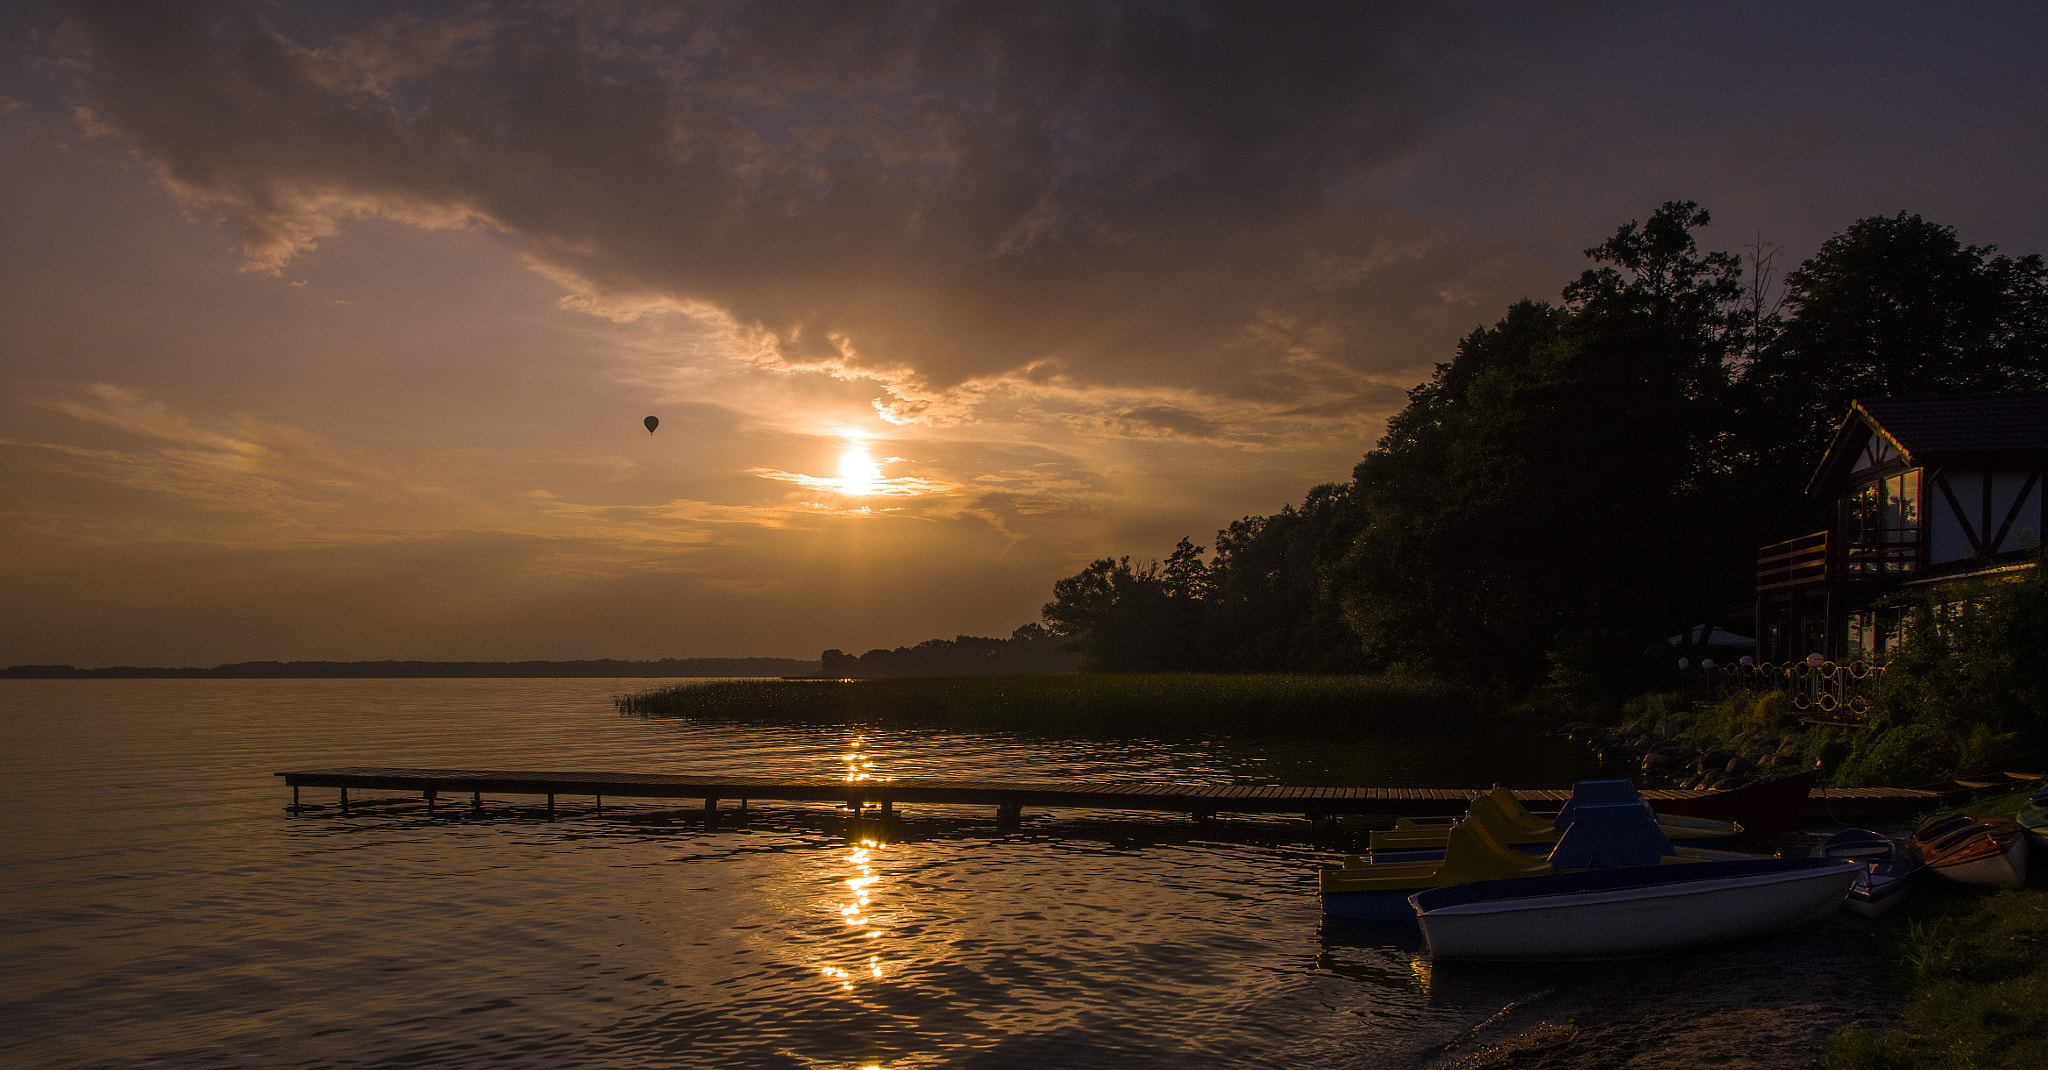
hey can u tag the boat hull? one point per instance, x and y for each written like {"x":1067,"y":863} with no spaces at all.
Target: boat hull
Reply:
{"x":1888,"y":874}
{"x":2007,"y":869}
{"x":1989,"y":852}
{"x":1623,"y":913}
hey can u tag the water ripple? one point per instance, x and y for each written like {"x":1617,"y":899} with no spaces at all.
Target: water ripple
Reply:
{"x":159,"y":907}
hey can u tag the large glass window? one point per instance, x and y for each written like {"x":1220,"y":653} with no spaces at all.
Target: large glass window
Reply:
{"x":1882,"y":520}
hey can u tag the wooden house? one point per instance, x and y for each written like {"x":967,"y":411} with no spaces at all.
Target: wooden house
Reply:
{"x":1929,"y":493}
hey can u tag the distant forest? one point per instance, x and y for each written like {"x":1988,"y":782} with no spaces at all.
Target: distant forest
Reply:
{"x":1583,"y":479}
{"x":1030,"y":650}
{"x":311,"y":670}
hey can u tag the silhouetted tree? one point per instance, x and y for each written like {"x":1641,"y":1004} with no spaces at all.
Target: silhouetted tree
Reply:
{"x":1269,"y":607}
{"x":1894,"y":306}
{"x":1560,"y":475}
{"x":1585,"y":478}
{"x":1125,"y":619}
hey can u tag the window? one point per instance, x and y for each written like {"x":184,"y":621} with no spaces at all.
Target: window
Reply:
{"x":1882,"y":521}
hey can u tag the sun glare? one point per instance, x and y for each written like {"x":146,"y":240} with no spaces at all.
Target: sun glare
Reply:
{"x":858,"y":472}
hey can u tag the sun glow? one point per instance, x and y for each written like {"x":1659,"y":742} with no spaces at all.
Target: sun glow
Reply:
{"x":859,"y":473}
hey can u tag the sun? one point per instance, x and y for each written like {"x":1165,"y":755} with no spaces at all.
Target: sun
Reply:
{"x":859,"y":474}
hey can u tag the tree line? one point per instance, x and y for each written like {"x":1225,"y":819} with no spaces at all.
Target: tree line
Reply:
{"x":1030,"y":650}
{"x":324,"y":670}
{"x":1585,"y":477}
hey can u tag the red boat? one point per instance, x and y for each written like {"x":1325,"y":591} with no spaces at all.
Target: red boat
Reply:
{"x":1766,"y":809}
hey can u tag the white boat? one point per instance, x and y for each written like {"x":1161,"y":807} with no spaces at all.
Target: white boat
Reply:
{"x":1888,"y":872}
{"x":1619,"y":913}
{"x":1987,"y":851}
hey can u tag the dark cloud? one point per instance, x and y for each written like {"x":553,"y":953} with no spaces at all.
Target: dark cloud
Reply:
{"x":935,"y":192}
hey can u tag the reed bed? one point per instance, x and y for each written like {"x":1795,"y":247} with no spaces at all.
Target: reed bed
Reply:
{"x":1082,"y":704}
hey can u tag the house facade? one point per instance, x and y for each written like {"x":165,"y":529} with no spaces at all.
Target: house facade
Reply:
{"x":1929,"y":493}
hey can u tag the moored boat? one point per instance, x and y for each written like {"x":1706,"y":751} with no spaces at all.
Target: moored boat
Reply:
{"x":1612,"y":835}
{"x":1766,"y":809}
{"x":1986,"y":851}
{"x":1537,"y":834}
{"x":1888,"y":872}
{"x":2033,"y":817}
{"x":1618,"y":913}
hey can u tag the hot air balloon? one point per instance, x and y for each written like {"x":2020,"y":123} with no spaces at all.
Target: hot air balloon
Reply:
{"x":652,"y":422}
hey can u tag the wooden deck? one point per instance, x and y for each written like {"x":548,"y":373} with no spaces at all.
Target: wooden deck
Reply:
{"x":1009,"y":797}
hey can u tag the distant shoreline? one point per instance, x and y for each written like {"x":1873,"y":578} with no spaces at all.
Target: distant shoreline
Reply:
{"x":339,"y":670}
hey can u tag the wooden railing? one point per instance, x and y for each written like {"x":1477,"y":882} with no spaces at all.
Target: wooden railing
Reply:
{"x":1793,"y":563}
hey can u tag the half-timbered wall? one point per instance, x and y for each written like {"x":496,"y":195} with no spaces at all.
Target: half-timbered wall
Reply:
{"x":1975,"y":512}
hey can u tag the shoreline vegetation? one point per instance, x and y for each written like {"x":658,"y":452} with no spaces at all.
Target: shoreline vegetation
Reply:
{"x":483,"y":670}
{"x":1971,"y":968}
{"x":1088,"y":703}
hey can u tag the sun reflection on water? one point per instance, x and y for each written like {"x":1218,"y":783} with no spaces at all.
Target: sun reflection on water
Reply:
{"x":858,"y":765}
{"x":855,"y":909}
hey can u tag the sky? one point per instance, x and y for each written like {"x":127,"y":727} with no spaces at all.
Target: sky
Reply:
{"x":327,"y":330}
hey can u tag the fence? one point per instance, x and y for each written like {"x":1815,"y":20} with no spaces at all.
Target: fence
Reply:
{"x":1824,"y":691}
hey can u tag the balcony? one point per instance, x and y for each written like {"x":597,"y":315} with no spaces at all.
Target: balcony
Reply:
{"x":1800,"y":562}
{"x":1829,"y":557}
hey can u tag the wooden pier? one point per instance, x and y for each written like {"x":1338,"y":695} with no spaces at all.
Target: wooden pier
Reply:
{"x":1009,"y":797}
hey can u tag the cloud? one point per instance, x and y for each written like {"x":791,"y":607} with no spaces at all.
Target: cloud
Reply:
{"x":948,"y":201}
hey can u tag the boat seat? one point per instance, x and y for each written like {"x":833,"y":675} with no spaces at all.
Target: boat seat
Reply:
{"x":1615,"y":834}
{"x":1596,"y":793}
{"x":1517,"y":815}
{"x":1473,"y":854}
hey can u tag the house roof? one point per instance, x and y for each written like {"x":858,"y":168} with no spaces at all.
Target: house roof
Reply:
{"x":1928,"y":430}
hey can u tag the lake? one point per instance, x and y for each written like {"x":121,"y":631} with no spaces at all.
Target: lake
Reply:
{"x":160,"y":906}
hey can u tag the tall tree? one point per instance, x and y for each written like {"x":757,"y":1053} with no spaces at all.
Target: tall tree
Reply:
{"x":1893,"y":306}
{"x":1554,"y":477}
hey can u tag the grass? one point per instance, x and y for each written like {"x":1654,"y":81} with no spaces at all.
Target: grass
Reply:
{"x":1081,"y":704}
{"x":1974,"y":967}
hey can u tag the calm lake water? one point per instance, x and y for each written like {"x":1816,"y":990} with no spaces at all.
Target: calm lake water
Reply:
{"x":159,"y":905}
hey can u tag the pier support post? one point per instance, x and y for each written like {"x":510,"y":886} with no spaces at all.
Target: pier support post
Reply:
{"x":1009,"y":814}
{"x":295,"y":800}
{"x":551,"y":806}
{"x":432,"y":798}
{"x":888,"y":806}
{"x":600,"y":804}
{"x":344,"y":802}
{"x":476,"y":802}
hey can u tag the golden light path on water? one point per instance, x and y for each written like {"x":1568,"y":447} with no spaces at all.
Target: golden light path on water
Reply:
{"x":855,"y":914}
